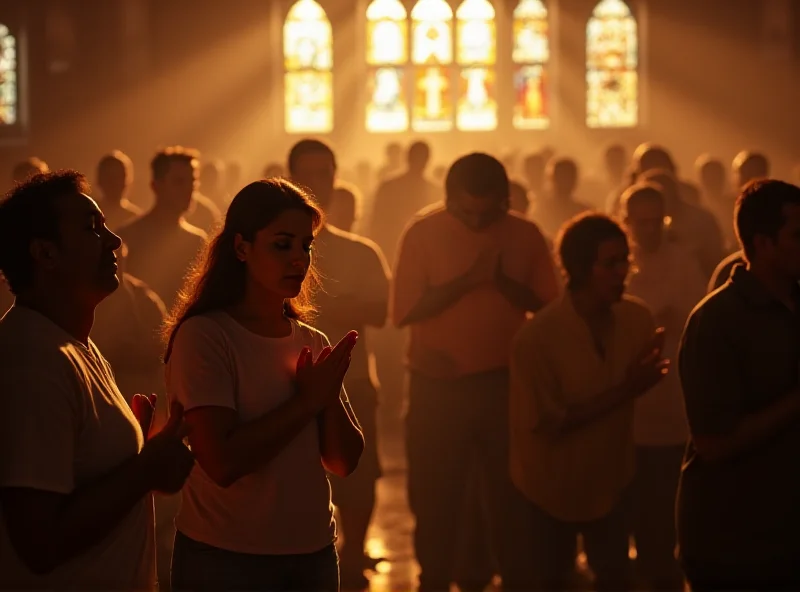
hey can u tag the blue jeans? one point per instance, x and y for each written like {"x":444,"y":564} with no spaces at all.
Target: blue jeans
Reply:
{"x":197,"y":566}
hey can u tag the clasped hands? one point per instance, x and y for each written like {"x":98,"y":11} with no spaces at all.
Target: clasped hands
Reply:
{"x":319,"y":381}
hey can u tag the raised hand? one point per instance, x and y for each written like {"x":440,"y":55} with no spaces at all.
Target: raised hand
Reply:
{"x":166,"y":460}
{"x":320,"y":381}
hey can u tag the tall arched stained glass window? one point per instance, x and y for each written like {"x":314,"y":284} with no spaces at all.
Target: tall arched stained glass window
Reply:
{"x":9,"y":89}
{"x":476,"y":55}
{"x":612,"y":78}
{"x":531,"y":55}
{"x":308,"y":65}
{"x":387,"y":56}
{"x":432,"y":57}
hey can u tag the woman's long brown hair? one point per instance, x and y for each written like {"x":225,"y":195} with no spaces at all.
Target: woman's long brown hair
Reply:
{"x":218,"y":278}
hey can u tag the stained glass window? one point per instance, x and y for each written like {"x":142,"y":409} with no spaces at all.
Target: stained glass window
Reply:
{"x":476,"y":54}
{"x":432,"y":56}
{"x":387,"y":55}
{"x":9,"y":96}
{"x":531,"y":55}
{"x":612,"y":80}
{"x":308,"y":64}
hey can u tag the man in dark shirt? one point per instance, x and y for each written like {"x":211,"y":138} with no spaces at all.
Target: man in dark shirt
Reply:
{"x":163,"y":245}
{"x":738,"y":514}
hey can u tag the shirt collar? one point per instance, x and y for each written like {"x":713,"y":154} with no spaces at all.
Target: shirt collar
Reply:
{"x":748,"y":286}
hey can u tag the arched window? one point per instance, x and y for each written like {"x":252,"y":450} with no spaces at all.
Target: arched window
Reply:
{"x":387,"y":56}
{"x":531,"y":55}
{"x":476,"y":55}
{"x":432,"y":57}
{"x":612,"y":79}
{"x":9,"y":89}
{"x":308,"y":69}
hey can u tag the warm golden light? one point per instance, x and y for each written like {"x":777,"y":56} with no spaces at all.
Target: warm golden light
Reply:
{"x":612,"y":78}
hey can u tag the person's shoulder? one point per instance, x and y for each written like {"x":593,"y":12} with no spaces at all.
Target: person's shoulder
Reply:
{"x":27,"y":338}
{"x":132,"y":227}
{"x":522,"y":225}
{"x":207,"y":327}
{"x":191,"y":230}
{"x":547,"y":319}
{"x":143,"y":293}
{"x":358,"y":243}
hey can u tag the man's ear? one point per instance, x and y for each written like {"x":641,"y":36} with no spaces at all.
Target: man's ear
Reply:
{"x":44,"y":253}
{"x":241,"y":247}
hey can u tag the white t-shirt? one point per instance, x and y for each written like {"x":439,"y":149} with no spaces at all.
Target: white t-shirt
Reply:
{"x":283,"y":508}
{"x":65,"y":424}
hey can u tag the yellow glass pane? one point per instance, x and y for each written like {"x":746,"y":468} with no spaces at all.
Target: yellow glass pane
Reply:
{"x":477,"y":105}
{"x":387,"y":109}
{"x":476,"y":33}
{"x":387,"y":42}
{"x":8,"y":77}
{"x":612,"y":99}
{"x":531,"y":40}
{"x":433,"y":104}
{"x":530,"y":9}
{"x":530,"y":98}
{"x":612,"y":94}
{"x":308,"y":102}
{"x":432,"y":33}
{"x":307,"y":38}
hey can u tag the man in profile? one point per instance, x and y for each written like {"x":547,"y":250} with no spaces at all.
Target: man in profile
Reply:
{"x":77,"y":469}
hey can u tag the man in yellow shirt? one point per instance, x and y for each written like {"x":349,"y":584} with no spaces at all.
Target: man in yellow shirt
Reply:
{"x":576,"y":369}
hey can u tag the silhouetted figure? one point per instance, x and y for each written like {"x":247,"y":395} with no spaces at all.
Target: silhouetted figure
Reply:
{"x":467,"y":274}
{"x":264,"y":400}
{"x":651,"y":157}
{"x":344,"y":210}
{"x":576,"y":370}
{"x":233,"y":177}
{"x":274,"y":169}
{"x":203,"y":212}
{"x":400,"y":198}
{"x":561,"y":205}
{"x":77,"y":467}
{"x":737,"y":511}
{"x":212,"y":184}
{"x":615,"y":160}
{"x":162,"y":244}
{"x":670,"y":282}
{"x":690,"y":225}
{"x":534,"y":168}
{"x":114,"y":179}
{"x":26,"y":169}
{"x":394,"y":162}
{"x":354,"y":296}
{"x":748,"y":166}
{"x":716,"y":195}
{"x":519,"y":200}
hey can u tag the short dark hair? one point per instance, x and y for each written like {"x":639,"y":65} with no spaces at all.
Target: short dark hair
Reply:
{"x":641,"y":192}
{"x":163,"y":159}
{"x":27,"y":168}
{"x":478,"y":174}
{"x":760,"y":210}
{"x":115,"y":158}
{"x":308,"y":146}
{"x":578,"y":242}
{"x":28,"y":212}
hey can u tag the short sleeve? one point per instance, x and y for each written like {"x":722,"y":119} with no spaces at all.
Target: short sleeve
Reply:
{"x":410,"y":278}
{"x":39,"y":425}
{"x":707,"y":366}
{"x":199,"y":369}
{"x":534,"y":403}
